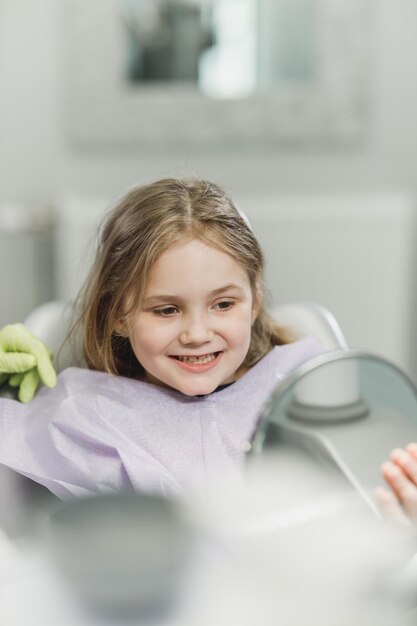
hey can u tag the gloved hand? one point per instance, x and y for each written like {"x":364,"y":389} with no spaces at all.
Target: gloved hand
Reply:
{"x":24,"y":361}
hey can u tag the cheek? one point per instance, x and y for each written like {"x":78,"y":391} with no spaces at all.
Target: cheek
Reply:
{"x":149,"y":338}
{"x":142,"y":348}
{"x":239,"y":328}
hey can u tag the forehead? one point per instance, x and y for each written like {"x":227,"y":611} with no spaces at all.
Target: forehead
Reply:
{"x":195,"y":262}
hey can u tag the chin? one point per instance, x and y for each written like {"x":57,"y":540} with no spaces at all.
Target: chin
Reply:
{"x":195,"y":390}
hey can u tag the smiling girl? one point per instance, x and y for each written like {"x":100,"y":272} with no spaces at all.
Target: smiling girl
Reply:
{"x":182,"y":355}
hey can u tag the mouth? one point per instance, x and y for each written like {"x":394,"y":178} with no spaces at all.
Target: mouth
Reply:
{"x":197,"y":364}
{"x":196,"y":359}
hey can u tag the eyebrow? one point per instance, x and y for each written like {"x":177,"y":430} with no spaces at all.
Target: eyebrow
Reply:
{"x":215,"y":292}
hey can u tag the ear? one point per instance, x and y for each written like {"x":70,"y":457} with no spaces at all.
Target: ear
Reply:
{"x":120,"y":328}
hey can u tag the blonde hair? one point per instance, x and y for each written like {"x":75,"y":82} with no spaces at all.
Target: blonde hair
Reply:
{"x":146,"y":221}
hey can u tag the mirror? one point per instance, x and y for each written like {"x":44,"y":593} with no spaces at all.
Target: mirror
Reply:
{"x":343,"y":411}
{"x":226,"y":47}
{"x":204,"y":71}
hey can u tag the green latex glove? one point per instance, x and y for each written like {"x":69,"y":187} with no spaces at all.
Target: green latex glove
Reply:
{"x":24,"y":361}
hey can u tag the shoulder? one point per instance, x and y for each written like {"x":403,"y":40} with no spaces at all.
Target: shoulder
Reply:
{"x":276,"y":365}
{"x":80,"y":385}
{"x":78,"y":382}
{"x":284,"y":359}
{"x":304,"y":349}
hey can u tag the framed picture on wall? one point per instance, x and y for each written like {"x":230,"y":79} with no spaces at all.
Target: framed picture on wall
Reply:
{"x":238,"y":72}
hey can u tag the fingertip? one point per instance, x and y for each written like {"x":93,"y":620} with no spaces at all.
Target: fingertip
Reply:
{"x":47,"y":372}
{"x":25,"y":395}
{"x":29,"y":385}
{"x":391,"y":473}
{"x":15,"y":380}
{"x":395,"y":454}
{"x":386,"y":499}
{"x":412,"y":448}
{"x":382,"y":494}
{"x":47,"y":375}
{"x":386,"y":468}
{"x":50,"y":381}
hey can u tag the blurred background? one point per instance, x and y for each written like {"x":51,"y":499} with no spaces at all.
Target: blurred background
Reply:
{"x":304,"y":110}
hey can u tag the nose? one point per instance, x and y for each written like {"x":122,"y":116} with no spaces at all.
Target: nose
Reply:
{"x":196,"y":330}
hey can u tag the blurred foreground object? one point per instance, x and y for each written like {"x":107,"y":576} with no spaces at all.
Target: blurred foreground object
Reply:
{"x":274,"y":551}
{"x":293,"y":552}
{"x":124,"y":555}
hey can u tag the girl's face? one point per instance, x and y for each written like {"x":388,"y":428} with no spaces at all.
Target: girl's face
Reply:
{"x":193,"y":329}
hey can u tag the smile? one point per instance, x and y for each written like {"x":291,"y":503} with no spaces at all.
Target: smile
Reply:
{"x":204,"y":358}
{"x":197,"y":364}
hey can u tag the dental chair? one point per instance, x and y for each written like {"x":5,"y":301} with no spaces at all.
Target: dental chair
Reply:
{"x":51,"y":321}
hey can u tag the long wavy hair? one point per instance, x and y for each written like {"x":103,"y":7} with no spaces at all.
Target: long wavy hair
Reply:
{"x":146,"y":221}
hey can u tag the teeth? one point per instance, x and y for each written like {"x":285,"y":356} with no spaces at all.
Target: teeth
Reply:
{"x":197,"y":359}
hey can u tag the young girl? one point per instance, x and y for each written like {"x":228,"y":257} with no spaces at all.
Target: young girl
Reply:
{"x":181,"y":353}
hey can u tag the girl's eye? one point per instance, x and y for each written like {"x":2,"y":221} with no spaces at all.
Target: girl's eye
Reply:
{"x":224,"y":305}
{"x":166,"y":311}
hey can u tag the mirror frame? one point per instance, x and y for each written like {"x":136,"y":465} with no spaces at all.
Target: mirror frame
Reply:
{"x":104,"y":111}
{"x":255,"y":445}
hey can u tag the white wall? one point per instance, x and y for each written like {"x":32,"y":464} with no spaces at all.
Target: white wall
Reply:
{"x":31,"y":149}
{"x":37,"y":161}
{"x":356,"y":254}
